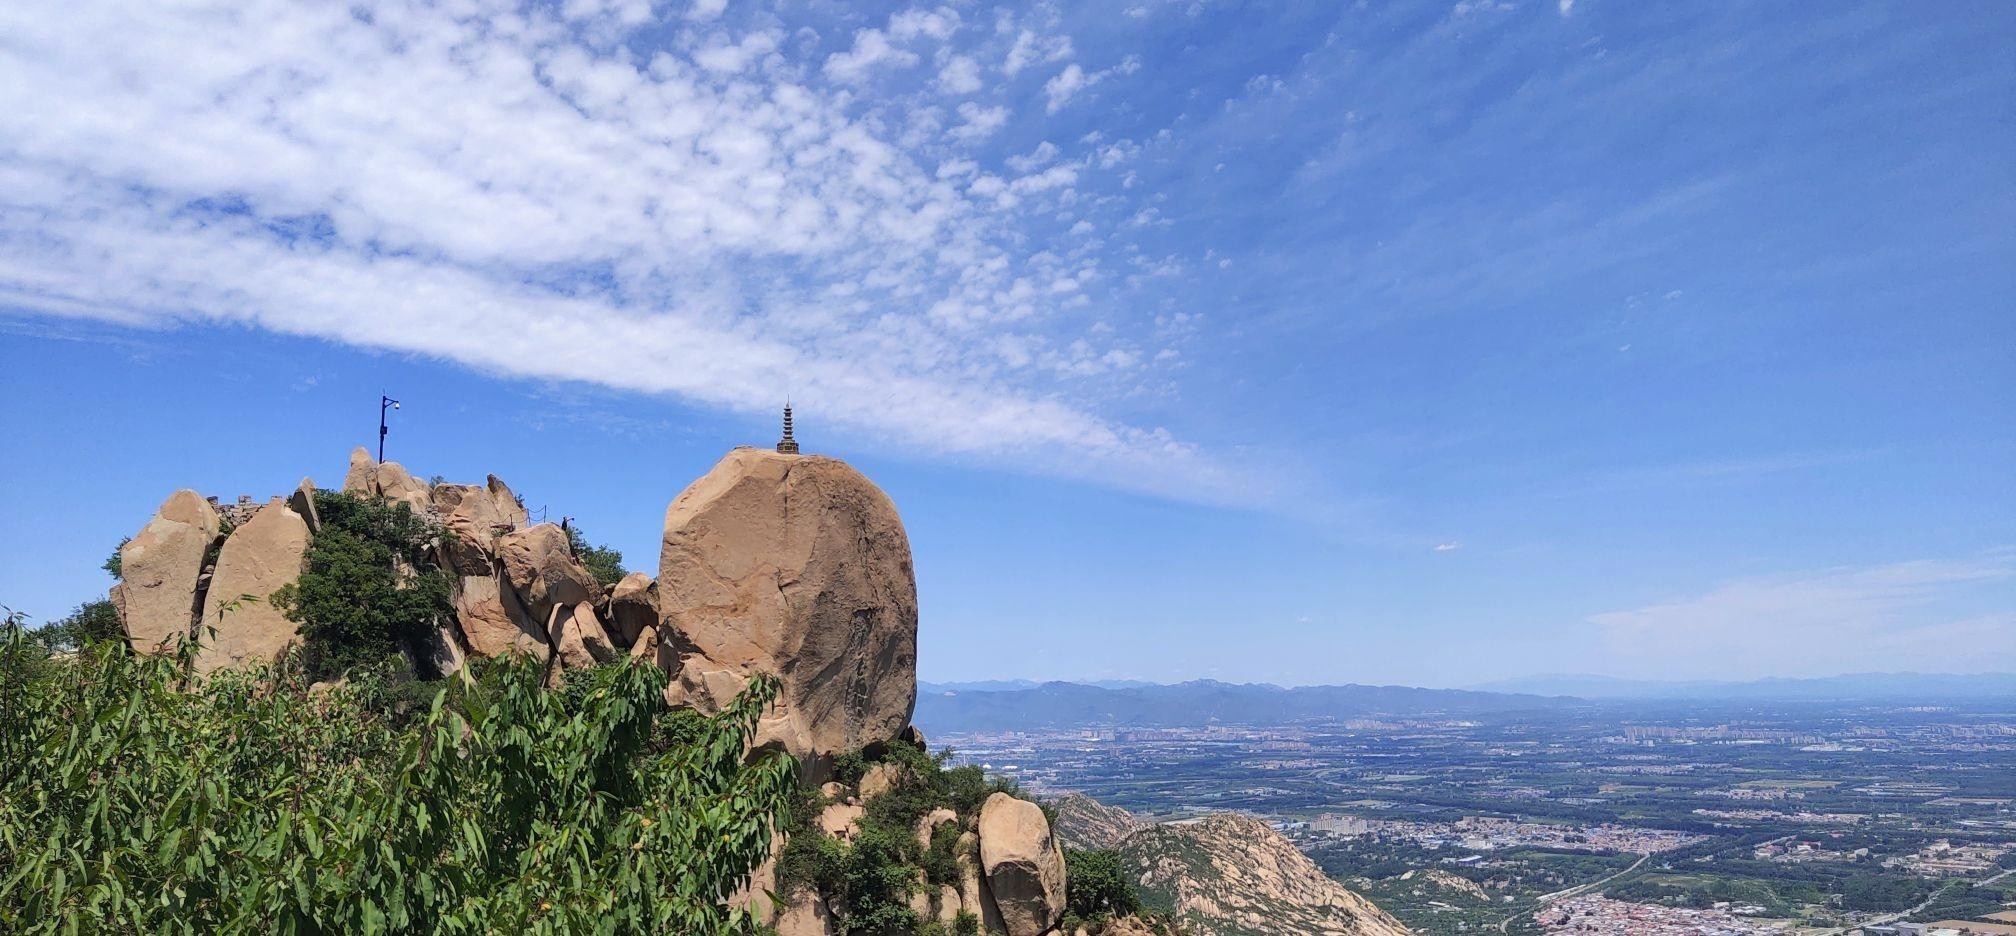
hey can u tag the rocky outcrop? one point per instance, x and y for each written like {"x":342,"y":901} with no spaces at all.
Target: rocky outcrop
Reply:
{"x":160,"y":568}
{"x":492,"y":620}
{"x":396,"y":486}
{"x":1083,"y":822}
{"x":578,"y":639}
{"x":1024,"y":866}
{"x":540,"y":565}
{"x":1231,"y":874}
{"x":633,"y":608}
{"x":302,"y":502}
{"x":362,"y":478}
{"x":257,"y":559}
{"x":795,"y":566}
{"x":471,"y":524}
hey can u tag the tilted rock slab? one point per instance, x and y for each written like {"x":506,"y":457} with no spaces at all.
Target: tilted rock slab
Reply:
{"x":1025,"y":868}
{"x":398,"y":486}
{"x":492,"y":620}
{"x":160,"y":566}
{"x":578,"y":638}
{"x":796,"y":566}
{"x":633,"y":608}
{"x":540,"y":565}
{"x":258,"y":557}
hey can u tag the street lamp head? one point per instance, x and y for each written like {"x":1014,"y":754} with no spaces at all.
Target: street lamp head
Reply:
{"x":395,"y":404}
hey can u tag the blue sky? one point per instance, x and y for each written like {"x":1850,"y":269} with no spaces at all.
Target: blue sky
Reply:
{"x":1422,"y":343}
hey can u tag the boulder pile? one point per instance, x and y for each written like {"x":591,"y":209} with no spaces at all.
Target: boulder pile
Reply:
{"x":776,"y":563}
{"x":791,"y":565}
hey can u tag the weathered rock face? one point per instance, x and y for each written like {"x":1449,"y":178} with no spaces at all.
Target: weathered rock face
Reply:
{"x":541,"y":567}
{"x":1025,"y":868}
{"x":493,"y":621}
{"x":1230,"y":873}
{"x":506,"y":502}
{"x":362,"y":478}
{"x":258,"y":557}
{"x":302,"y":502}
{"x":399,"y":487}
{"x":578,"y":638}
{"x":796,"y":566}
{"x":633,"y":608}
{"x":470,"y":514}
{"x":806,"y":917}
{"x":160,"y":566}
{"x":973,"y":895}
{"x":1083,"y":822}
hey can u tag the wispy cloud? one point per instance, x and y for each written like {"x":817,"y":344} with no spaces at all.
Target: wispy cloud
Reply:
{"x":723,"y":216}
{"x":1939,"y":614}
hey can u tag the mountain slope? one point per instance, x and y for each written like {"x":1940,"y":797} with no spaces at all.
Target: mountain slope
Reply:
{"x":1231,"y":875}
{"x":1083,"y":822}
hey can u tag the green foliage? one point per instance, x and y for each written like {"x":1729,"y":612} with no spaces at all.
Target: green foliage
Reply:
{"x":89,"y":623}
{"x":603,"y":562}
{"x":133,"y":801}
{"x":868,"y":883}
{"x":115,"y":566}
{"x":368,"y":590}
{"x":1097,"y":886}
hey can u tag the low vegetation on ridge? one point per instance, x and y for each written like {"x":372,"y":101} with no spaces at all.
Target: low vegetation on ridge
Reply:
{"x":133,"y":799}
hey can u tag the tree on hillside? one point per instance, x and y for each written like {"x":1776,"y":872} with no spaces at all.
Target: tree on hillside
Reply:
{"x":603,"y":562}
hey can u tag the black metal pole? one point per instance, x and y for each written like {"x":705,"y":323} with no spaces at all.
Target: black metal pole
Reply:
{"x":383,"y":402}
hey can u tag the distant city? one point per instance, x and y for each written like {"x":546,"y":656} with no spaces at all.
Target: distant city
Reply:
{"x":1509,"y":813}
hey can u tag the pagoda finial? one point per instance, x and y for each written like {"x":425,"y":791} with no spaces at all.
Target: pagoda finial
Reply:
{"x":787,"y":445}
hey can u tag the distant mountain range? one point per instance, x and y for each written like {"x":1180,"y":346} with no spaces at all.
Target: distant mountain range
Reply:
{"x":1202,"y":702}
{"x":1885,"y":687}
{"x":1015,"y":704}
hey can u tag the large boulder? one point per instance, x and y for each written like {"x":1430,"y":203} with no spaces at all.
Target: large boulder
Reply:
{"x":507,"y":502}
{"x":362,"y":478}
{"x":475,"y":523}
{"x":1025,"y":868}
{"x":540,"y":565}
{"x":302,"y":502}
{"x":578,"y":638}
{"x":493,"y":621}
{"x":633,"y":608}
{"x":160,"y":566}
{"x":258,"y":557}
{"x":796,"y":566}
{"x":398,"y":486}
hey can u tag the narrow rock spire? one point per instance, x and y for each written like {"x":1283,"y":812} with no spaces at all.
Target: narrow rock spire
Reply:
{"x":787,"y":445}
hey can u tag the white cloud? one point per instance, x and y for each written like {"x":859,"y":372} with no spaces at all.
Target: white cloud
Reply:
{"x":1566,"y":7}
{"x":1451,"y":546}
{"x":706,"y":9}
{"x":1031,"y":49}
{"x":871,"y":48}
{"x":1040,"y":156}
{"x":1924,"y":614}
{"x":521,"y":193}
{"x":961,"y":75}
{"x":1058,"y":91}
{"x":979,"y":122}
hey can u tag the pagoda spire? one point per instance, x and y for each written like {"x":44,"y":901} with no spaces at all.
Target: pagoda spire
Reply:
{"x":787,"y":445}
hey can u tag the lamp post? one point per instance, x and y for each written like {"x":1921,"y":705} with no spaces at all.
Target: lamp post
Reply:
{"x":384,"y":403}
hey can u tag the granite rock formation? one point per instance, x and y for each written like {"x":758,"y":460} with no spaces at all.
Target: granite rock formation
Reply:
{"x":257,"y":559}
{"x":162,"y":566}
{"x":796,"y":566}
